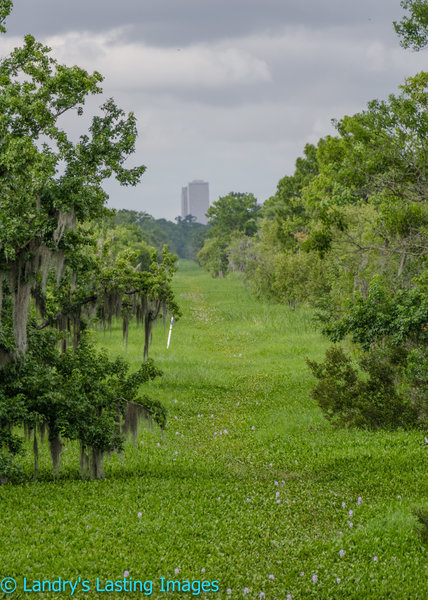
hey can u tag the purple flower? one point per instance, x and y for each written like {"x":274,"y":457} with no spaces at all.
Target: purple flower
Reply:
{"x":246,"y":590}
{"x":350,"y":513}
{"x":338,"y":579}
{"x":314,"y":578}
{"x":351,"y":525}
{"x":253,"y":428}
{"x":139,"y":515}
{"x":275,"y":483}
{"x":302,"y":574}
{"x":271,"y":464}
{"x":343,"y":504}
{"x":277,"y":494}
{"x":288,"y":596}
{"x":177,"y":571}
{"x":359,"y":500}
{"x":375,"y":558}
{"x":262,"y":595}
{"x":341,"y":553}
{"x":126,"y":573}
{"x":271,"y":576}
{"x":229,"y":591}
{"x":203,"y":570}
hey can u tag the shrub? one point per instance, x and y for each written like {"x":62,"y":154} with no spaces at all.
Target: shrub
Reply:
{"x":367,"y":397}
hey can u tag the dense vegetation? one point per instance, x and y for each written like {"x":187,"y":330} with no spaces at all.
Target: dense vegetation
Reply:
{"x":59,"y":272}
{"x":184,"y":238}
{"x":347,"y":234}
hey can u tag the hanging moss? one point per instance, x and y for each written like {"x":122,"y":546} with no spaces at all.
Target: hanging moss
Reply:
{"x":55,"y":446}
{"x":134,"y":414}
{"x":36,"y":454}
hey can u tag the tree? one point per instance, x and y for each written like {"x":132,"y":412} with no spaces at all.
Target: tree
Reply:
{"x":53,"y":274}
{"x":236,"y":212}
{"x":413,"y":29}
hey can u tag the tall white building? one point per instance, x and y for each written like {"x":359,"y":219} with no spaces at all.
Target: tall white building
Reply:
{"x":195,"y":200}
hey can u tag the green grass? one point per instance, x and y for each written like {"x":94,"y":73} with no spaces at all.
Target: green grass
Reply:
{"x":208,"y":499}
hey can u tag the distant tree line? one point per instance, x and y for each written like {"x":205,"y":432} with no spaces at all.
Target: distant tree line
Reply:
{"x":184,"y":238}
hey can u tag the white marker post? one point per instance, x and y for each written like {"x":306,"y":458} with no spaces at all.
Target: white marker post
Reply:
{"x":169,"y":334}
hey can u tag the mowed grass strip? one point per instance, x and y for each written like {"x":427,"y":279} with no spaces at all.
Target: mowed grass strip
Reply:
{"x":250,"y":485}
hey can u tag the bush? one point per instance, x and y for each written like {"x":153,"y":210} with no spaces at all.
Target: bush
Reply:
{"x":368,"y":398}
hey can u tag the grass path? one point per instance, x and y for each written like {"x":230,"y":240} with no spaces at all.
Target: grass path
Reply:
{"x":251,"y":487}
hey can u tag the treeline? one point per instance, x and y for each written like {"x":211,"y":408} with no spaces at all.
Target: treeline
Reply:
{"x":347,"y":235}
{"x":137,"y":229}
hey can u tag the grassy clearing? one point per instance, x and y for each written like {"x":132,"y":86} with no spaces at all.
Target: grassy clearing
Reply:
{"x":251,"y":487}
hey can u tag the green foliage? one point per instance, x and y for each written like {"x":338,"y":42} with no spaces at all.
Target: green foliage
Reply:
{"x":230,"y":218}
{"x":400,"y":316}
{"x":5,"y":8}
{"x":235,"y":212}
{"x":184,"y":238}
{"x":79,"y":395}
{"x":57,"y":269}
{"x":348,"y":400}
{"x":413,"y":29}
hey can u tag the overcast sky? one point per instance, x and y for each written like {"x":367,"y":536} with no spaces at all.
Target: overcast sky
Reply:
{"x":228,"y":91}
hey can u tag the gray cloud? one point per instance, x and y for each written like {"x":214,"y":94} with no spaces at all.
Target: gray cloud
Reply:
{"x":183,"y":22}
{"x":224,"y":90}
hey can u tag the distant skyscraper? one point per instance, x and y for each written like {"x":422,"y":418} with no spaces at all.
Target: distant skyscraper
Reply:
{"x":195,"y":200}
{"x":184,"y":203}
